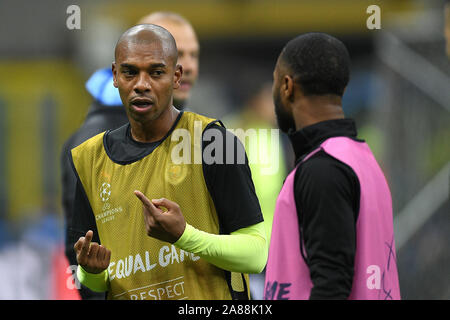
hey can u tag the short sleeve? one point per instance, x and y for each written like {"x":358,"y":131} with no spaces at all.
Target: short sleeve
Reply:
{"x":228,"y":179}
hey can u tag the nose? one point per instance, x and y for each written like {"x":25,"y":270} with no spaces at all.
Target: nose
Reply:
{"x":143,"y":83}
{"x":187,"y":66}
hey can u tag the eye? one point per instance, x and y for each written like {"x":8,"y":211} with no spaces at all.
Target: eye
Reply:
{"x":158,"y":73}
{"x":128,"y":72}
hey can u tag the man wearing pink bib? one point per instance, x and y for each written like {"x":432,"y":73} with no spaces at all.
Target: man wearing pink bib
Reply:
{"x":332,"y":235}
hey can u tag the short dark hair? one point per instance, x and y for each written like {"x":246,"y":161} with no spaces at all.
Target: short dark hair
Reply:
{"x":320,"y":63}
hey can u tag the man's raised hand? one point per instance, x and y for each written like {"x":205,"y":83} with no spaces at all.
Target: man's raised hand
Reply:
{"x":163,"y":225}
{"x":94,"y":258}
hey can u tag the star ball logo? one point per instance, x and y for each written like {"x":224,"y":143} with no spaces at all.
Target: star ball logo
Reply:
{"x":105,"y":191}
{"x":107,"y":213}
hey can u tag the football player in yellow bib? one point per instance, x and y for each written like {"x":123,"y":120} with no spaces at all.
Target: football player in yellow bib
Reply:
{"x":165,"y":208}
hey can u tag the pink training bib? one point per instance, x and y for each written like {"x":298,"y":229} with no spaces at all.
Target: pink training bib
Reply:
{"x":375,"y":277}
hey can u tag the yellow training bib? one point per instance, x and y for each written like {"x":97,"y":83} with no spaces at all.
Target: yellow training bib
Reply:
{"x":142,"y":267}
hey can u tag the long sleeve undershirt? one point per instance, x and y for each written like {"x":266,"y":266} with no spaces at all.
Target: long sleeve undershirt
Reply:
{"x":327,"y":194}
{"x":244,"y":250}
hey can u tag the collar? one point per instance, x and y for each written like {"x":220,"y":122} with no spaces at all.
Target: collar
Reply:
{"x":309,"y":138}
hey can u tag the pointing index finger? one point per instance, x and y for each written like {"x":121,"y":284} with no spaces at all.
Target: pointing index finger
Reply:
{"x":142,"y":197}
{"x":146,"y":202}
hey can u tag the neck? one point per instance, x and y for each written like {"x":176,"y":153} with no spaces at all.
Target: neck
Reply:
{"x":156,"y":129}
{"x":313,"y":109}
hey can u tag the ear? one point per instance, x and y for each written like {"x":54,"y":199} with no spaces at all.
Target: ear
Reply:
{"x":114,"y":71}
{"x":287,"y":88}
{"x":177,"y":76}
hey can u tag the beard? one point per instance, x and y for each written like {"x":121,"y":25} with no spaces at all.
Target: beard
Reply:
{"x":285,"y":121}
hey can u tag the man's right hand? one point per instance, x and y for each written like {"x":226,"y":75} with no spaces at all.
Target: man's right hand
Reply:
{"x":94,"y":258}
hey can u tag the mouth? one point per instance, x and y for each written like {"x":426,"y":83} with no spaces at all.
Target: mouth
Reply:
{"x":141,"y":104}
{"x":185,"y":85}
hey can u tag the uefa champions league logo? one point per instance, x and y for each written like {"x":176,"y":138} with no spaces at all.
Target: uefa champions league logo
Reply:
{"x":107,"y":213}
{"x":105,"y":191}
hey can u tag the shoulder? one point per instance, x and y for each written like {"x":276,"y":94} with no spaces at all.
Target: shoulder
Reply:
{"x":325,"y":183}
{"x":77,"y":138}
{"x":87,"y":147}
{"x":70,"y":143}
{"x":217,"y":138}
{"x":216,"y":127}
{"x":193,"y":116}
{"x":324,"y":171}
{"x":211,"y":128}
{"x":194,"y":121}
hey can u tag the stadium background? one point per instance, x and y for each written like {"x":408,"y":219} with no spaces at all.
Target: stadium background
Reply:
{"x":399,"y":95}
